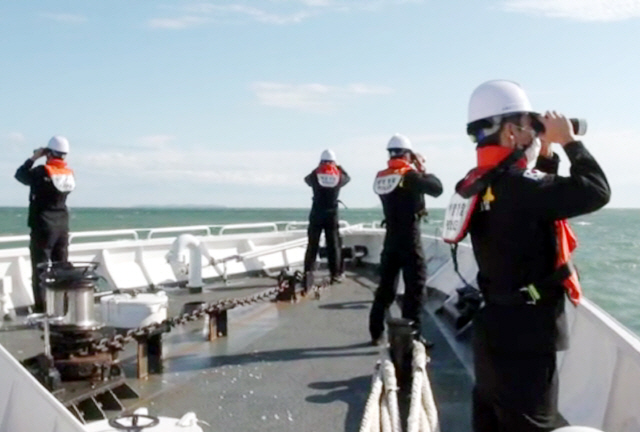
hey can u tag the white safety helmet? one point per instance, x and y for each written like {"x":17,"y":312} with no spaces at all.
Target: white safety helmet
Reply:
{"x":399,"y":142}
{"x":497,"y":98}
{"x":577,"y":429}
{"x":59,"y":144}
{"x":328,"y":156}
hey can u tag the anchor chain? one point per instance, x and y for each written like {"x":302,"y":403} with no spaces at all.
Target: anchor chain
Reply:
{"x":118,"y":341}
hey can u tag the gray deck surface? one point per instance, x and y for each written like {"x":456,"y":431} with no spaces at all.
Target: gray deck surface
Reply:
{"x":284,"y":367}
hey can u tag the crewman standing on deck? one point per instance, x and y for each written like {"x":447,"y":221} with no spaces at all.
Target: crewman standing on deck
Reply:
{"x":326,"y":180}
{"x":50,"y":184}
{"x":401,"y":188}
{"x":522,"y":243}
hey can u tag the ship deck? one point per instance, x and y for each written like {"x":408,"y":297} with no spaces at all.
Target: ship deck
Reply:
{"x":304,"y":366}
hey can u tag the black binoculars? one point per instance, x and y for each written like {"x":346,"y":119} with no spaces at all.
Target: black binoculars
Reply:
{"x":578,"y":125}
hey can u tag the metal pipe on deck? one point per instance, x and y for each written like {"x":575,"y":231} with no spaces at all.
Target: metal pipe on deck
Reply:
{"x":196,"y":250}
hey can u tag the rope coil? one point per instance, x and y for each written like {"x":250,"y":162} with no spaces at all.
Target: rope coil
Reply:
{"x":382,"y":414}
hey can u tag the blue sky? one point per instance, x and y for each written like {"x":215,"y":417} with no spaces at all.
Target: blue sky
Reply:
{"x":232,"y":102}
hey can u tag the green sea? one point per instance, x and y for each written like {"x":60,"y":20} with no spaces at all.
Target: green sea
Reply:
{"x":608,"y":254}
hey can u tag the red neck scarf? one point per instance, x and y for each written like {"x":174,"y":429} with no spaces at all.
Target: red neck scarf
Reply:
{"x":490,"y":156}
{"x":396,"y":166}
{"x":328,"y":168}
{"x":55,"y":166}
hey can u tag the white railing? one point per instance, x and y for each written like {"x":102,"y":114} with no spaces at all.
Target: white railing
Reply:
{"x":237,"y":227}
{"x":185,"y":229}
{"x":14,"y":239}
{"x":109,"y":233}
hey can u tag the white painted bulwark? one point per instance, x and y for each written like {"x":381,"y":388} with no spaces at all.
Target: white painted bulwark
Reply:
{"x":22,"y":396}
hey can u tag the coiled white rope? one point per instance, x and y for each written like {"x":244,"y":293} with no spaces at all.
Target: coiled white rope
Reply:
{"x":371,"y":417}
{"x":423,"y":415}
{"x":381,"y":412}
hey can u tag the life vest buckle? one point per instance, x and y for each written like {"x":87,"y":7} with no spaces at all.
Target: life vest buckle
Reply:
{"x":531,"y":294}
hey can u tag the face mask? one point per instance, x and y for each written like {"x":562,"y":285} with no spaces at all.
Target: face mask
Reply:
{"x":532,"y":152}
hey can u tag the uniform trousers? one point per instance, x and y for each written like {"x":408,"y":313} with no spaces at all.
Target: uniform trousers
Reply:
{"x":407,"y":256}
{"x":332,"y":237}
{"x":46,"y":245}
{"x":514,"y":391}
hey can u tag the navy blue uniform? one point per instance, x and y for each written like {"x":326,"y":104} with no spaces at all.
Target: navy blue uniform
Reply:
{"x":514,"y":242}
{"x":49,"y":223}
{"x":403,"y":210}
{"x":324,"y":217}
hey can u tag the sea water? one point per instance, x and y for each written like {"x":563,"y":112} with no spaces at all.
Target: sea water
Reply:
{"x":608,"y":254}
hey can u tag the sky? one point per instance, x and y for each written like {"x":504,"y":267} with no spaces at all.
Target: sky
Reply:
{"x":232,"y":102}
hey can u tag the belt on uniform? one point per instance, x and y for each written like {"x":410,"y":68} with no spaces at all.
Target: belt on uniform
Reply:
{"x":532,"y":294}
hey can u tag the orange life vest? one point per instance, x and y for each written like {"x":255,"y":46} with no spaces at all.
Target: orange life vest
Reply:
{"x":567,"y":242}
{"x":61,"y":175}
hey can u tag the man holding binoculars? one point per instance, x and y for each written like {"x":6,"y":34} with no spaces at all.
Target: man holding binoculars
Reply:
{"x":522,"y":243}
{"x":402,"y":187}
{"x":49,"y":184}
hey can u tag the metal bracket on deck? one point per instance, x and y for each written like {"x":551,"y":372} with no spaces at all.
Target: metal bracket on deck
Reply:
{"x":149,"y":354}
{"x":287,"y":284}
{"x":218,"y":325}
{"x":104,"y":398}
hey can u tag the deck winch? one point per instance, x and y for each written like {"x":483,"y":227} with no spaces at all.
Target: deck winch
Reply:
{"x":70,"y":324}
{"x":71,"y":331}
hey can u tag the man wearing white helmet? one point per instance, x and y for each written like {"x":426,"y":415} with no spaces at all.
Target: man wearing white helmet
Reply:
{"x":49,"y":184}
{"x":401,"y":188}
{"x":326,"y":180}
{"x":522,"y":243}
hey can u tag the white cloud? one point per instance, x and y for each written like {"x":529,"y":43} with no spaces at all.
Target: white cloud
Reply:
{"x":264,"y":16}
{"x":311,"y":97}
{"x":155,"y":141}
{"x":197,"y":166}
{"x":177,"y":23}
{"x":65,"y":18}
{"x":580,"y":10}
{"x":15,"y":137}
{"x":14,"y":142}
{"x":277,"y":12}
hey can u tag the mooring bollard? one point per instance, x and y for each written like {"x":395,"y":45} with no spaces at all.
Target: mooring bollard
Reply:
{"x":401,"y":337}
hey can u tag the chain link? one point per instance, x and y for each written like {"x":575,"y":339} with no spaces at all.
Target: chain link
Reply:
{"x":118,"y":341}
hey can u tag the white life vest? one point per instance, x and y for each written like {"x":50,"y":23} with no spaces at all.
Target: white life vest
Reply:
{"x":328,"y":180}
{"x":389,"y":179}
{"x":457,"y":217}
{"x":386,"y":184}
{"x":61,"y":177}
